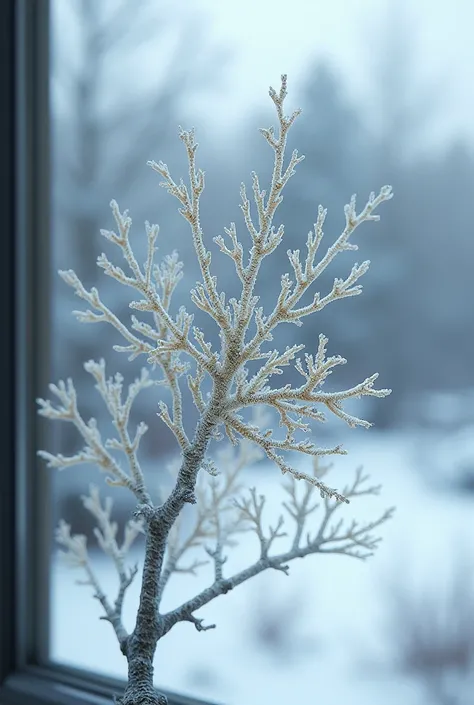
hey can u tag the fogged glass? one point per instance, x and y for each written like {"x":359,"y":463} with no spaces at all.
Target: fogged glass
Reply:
{"x":372,"y":80}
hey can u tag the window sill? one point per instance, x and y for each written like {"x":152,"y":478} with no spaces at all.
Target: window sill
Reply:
{"x":38,"y":685}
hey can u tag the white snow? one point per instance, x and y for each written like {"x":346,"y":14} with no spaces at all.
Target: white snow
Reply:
{"x":333,"y":645}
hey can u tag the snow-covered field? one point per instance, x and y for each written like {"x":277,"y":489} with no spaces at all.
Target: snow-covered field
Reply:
{"x":316,"y":636}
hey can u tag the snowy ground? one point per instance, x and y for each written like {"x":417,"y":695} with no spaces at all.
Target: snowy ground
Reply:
{"x":328,"y":642}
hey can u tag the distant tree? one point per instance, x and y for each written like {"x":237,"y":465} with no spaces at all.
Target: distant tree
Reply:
{"x":443,"y":252}
{"x":405,"y":107}
{"x":429,"y":632}
{"x":114,"y":117}
{"x":109,"y":114}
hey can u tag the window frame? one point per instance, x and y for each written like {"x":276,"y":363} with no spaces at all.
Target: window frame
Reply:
{"x":26,"y":674}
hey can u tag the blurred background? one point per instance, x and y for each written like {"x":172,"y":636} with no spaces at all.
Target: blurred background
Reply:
{"x":386,"y":93}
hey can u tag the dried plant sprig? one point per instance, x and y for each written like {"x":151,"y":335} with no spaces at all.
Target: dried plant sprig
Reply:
{"x":165,"y":341}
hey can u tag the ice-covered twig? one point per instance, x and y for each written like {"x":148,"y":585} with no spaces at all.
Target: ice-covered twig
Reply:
{"x":355,"y":540}
{"x":76,"y":554}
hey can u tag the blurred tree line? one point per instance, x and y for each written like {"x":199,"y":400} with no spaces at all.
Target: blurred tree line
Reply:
{"x":414,"y":323}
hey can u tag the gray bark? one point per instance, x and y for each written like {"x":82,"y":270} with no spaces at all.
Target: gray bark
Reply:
{"x":150,"y":626}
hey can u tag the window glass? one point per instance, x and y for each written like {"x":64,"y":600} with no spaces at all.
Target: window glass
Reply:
{"x":382,"y":88}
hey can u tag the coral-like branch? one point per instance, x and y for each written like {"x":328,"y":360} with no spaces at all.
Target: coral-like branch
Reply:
{"x":95,"y":451}
{"x":170,"y":336}
{"x":293,"y":405}
{"x":206,"y":295}
{"x":111,"y":392}
{"x":269,"y":444}
{"x":136,"y":345}
{"x":165,"y":340}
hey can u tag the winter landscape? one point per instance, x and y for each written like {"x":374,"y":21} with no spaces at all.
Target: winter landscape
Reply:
{"x":377,"y":109}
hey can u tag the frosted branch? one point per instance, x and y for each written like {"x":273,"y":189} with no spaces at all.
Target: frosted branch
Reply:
{"x":356,"y":540}
{"x":95,"y":451}
{"x":171,"y":341}
{"x":76,"y":555}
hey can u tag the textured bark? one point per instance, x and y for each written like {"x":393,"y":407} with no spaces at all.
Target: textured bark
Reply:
{"x":150,"y":625}
{"x":140,"y":690}
{"x":141,"y":644}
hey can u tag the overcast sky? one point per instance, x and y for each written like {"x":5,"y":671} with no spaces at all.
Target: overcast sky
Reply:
{"x":271,"y":36}
{"x":267,"y":37}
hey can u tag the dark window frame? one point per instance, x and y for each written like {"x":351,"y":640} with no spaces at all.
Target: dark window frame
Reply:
{"x":26,"y":675}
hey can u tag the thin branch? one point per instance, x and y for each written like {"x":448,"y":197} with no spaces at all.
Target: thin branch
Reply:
{"x":76,"y":555}
{"x":356,"y":541}
{"x":95,"y":451}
